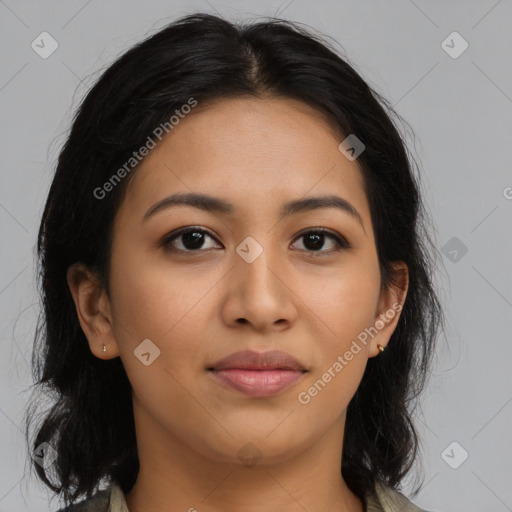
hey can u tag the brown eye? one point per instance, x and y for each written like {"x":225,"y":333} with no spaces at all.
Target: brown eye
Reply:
{"x":314,"y":241}
{"x":190,"y":239}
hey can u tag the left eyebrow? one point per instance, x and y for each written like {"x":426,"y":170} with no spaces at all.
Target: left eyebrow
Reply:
{"x":217,"y":205}
{"x":314,"y":203}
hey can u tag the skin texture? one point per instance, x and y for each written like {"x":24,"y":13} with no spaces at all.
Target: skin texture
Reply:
{"x":202,"y":305}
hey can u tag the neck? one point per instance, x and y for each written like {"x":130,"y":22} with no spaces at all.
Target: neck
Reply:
{"x":174,"y":477}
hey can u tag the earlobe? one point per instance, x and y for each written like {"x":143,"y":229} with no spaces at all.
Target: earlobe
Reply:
{"x":93,"y":311}
{"x":391,"y":303}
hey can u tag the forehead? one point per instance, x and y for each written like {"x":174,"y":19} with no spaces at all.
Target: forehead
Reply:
{"x":249,"y":151}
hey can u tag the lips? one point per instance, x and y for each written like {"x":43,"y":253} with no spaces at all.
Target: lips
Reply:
{"x":258,"y":374}
{"x":249,"y":360}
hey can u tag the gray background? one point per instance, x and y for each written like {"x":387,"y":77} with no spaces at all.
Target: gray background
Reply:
{"x":461,"y":111}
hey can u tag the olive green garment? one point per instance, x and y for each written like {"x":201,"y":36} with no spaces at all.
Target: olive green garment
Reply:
{"x":382,"y":499}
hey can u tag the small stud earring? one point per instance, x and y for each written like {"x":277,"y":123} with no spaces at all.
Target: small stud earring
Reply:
{"x":104,"y":348}
{"x":380,"y":347}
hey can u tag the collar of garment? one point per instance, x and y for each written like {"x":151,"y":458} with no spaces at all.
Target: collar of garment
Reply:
{"x":112,"y":499}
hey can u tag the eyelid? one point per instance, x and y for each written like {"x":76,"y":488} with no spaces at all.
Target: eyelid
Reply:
{"x":185,"y":229}
{"x":340,"y":240}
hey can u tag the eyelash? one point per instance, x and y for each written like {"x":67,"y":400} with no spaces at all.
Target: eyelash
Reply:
{"x":341,"y":242}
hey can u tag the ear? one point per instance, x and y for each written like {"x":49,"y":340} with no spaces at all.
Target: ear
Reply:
{"x":93,"y":310}
{"x":390,"y":305}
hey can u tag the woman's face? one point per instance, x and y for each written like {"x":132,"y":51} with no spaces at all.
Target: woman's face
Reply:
{"x":255,"y":276}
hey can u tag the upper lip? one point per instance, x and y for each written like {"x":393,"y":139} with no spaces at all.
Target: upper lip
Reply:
{"x":250,"y":360}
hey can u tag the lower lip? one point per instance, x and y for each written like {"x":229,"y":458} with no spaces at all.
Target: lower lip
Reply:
{"x":257,"y":383}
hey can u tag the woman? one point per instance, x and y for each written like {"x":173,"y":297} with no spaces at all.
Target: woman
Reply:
{"x":236,"y":280}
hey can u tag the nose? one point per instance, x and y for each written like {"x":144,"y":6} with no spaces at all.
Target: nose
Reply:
{"x":260,"y":295}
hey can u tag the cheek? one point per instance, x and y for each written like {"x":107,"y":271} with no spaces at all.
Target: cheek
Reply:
{"x":166,"y":307}
{"x":324,"y":399}
{"x":345,"y":299}
{"x":151,"y":296}
{"x":345,"y":303}
{"x":152,"y":299}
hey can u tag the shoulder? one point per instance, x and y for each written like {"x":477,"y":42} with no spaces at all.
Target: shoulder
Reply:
{"x":98,"y":502}
{"x":386,"y":499}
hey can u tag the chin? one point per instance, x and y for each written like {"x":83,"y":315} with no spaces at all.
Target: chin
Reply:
{"x":260,"y":449}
